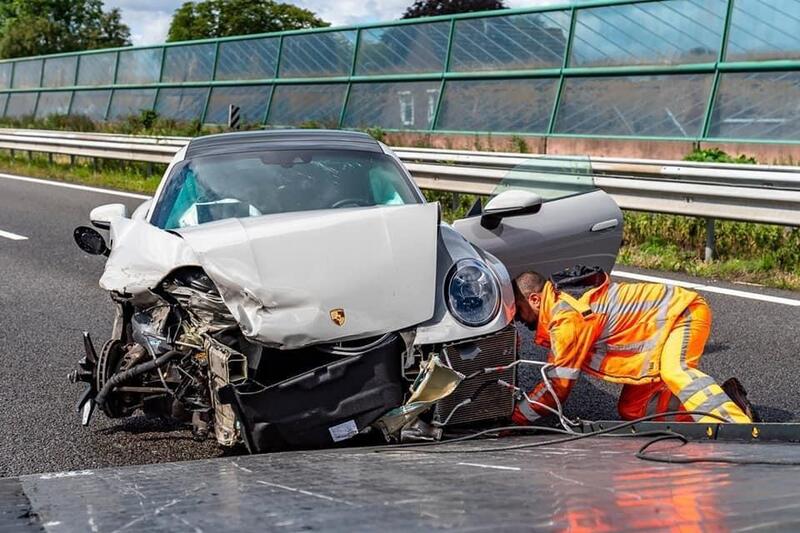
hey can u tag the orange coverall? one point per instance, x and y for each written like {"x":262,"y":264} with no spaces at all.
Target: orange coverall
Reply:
{"x":647,"y":336}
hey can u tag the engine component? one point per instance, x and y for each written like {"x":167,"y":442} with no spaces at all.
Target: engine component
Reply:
{"x":139,"y":370}
{"x":323,"y":406}
{"x":196,"y":293}
{"x":488,"y":400}
{"x":226,"y":367}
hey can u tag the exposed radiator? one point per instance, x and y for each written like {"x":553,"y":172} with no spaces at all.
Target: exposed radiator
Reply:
{"x":494,"y":401}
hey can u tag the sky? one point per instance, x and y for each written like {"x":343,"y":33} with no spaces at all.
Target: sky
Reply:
{"x":149,"y":19}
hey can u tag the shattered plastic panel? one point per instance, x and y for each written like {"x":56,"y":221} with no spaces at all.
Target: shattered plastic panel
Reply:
{"x":434,"y":383}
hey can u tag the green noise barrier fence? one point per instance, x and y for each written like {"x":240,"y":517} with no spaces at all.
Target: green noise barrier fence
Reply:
{"x":726,"y":70}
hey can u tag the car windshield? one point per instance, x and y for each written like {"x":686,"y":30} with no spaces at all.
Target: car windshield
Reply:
{"x":212,"y":188}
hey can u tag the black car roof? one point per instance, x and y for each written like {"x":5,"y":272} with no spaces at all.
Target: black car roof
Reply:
{"x":246,"y":141}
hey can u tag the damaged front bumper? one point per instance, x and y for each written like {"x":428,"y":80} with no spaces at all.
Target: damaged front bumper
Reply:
{"x":323,"y":406}
{"x":337,"y":401}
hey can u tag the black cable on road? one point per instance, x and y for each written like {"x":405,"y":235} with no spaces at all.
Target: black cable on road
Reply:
{"x":571,"y":438}
{"x":642,"y":453}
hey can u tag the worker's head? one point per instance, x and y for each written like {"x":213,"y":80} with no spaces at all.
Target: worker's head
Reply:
{"x":528,"y":288}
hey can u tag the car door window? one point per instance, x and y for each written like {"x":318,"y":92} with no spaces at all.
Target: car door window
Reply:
{"x":550,"y":178}
{"x":577,"y":223}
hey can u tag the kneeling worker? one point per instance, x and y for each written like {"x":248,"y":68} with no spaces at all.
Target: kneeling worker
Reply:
{"x":647,"y":336}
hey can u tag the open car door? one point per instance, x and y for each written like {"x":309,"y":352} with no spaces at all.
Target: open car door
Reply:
{"x":547,"y":215}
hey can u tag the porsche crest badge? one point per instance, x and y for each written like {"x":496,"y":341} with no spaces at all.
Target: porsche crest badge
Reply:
{"x":338,"y":316}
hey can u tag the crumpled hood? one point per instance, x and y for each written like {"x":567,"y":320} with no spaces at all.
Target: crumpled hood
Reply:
{"x":296,"y":279}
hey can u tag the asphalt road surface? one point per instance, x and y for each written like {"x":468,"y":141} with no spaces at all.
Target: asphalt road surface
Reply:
{"x":49,"y":294}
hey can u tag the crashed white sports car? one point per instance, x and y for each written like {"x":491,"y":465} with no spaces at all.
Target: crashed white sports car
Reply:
{"x":295,"y":289}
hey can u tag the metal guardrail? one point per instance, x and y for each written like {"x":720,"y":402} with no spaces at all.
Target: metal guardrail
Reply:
{"x":758,"y":193}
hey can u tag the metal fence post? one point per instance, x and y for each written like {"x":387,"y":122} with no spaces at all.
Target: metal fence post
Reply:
{"x":445,"y":69}
{"x":711,"y":240}
{"x":551,"y":125}
{"x":712,"y":95}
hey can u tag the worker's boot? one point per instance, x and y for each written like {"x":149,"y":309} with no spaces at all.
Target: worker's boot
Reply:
{"x":738,"y":395}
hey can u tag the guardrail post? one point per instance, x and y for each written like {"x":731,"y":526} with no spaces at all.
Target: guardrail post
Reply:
{"x":711,"y":240}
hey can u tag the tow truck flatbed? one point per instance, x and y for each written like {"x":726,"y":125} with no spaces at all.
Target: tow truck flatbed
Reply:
{"x":597,"y":484}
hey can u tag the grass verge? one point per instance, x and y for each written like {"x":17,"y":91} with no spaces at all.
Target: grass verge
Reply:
{"x":132,"y":177}
{"x":761,"y":254}
{"x":658,"y":255}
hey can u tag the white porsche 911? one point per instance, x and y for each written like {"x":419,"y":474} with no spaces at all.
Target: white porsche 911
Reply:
{"x":295,"y":289}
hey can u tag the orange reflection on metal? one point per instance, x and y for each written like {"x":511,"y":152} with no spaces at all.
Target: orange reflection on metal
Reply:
{"x":667,"y":498}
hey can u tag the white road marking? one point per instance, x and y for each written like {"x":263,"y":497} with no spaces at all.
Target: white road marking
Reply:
{"x":12,"y":236}
{"x":74,"y":186}
{"x":709,"y":288}
{"x":495,"y":467}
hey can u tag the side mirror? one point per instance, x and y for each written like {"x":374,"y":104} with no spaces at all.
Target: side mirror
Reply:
{"x":510,"y":203}
{"x":101,"y":216}
{"x":90,"y":241}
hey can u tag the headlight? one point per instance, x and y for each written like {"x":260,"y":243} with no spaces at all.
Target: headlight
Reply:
{"x":473,"y":293}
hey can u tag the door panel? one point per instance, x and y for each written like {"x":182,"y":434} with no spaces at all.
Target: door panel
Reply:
{"x":579,"y":229}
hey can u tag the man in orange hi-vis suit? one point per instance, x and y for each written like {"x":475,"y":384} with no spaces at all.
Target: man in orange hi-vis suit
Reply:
{"x":647,"y":336}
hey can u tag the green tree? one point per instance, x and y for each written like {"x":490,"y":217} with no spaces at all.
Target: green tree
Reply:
{"x":35,"y":27}
{"x":431,"y":8}
{"x":221,"y":18}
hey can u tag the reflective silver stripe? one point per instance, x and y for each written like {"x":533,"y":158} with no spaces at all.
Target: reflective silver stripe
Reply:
{"x":598,"y":356}
{"x":602,"y":308}
{"x":561,"y":307}
{"x":696,"y":374}
{"x":685,"y":343}
{"x":666,"y":299}
{"x":614,"y":308}
{"x":713,"y":402}
{"x":638,"y":347}
{"x":725,"y":414}
{"x":611,"y":297}
{"x":527,"y":411}
{"x":652,"y":405}
{"x":635,"y":306}
{"x":614,"y":305}
{"x":697,"y":385}
{"x":674,"y":403}
{"x":563,"y":372}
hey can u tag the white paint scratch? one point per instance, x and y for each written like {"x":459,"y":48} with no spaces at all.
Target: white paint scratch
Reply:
{"x":188,"y":524}
{"x":302,"y":491}
{"x":157,"y":512}
{"x":243,"y":469}
{"x":495,"y":467}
